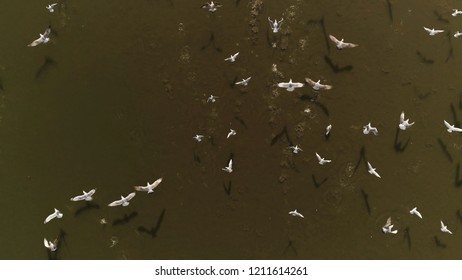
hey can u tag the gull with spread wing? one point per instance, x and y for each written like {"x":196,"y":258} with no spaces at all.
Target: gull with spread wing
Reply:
{"x":149,"y":187}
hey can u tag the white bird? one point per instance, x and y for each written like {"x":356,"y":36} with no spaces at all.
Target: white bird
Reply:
{"x":372,"y":170}
{"x":212,"y":98}
{"x":388,"y":227}
{"x":415,"y":212}
{"x":244,"y":82}
{"x":198,"y":137}
{"x":124,"y":201}
{"x":328,"y":129}
{"x":275,"y":25}
{"x":231,"y":133}
{"x":340,"y":44}
{"x":51,"y":245}
{"x":43,"y":39}
{"x":149,"y":187}
{"x":317,"y":85}
{"x":296,"y":214}
{"x":212,"y":7}
{"x":87,"y":196}
{"x":290,"y":86}
{"x":50,"y":7}
{"x":452,"y":128}
{"x":229,"y":168}
{"x":433,"y":31}
{"x":456,"y":12}
{"x":457,"y":34}
{"x":369,"y":128}
{"x":56,"y":214}
{"x":403,"y":124}
{"x":296,"y":149}
{"x":444,"y":228}
{"x":321,"y":160}
{"x":232,"y":58}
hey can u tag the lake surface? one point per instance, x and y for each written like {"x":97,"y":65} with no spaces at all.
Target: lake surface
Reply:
{"x":116,"y":96}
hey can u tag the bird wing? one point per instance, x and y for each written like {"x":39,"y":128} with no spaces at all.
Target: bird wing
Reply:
{"x":156,"y":183}
{"x":318,"y":156}
{"x":333,"y":39}
{"x":283,"y":85}
{"x":457,"y":129}
{"x":442,"y":225}
{"x":401,"y":117}
{"x":141,"y":188}
{"x":370,"y":166}
{"x":116,"y":203}
{"x":427,"y":29}
{"x":78,"y":198}
{"x":388,"y":223}
{"x":35,"y":42}
{"x":91,"y":192}
{"x":130,"y":196}
{"x":45,"y":242}
{"x":297,"y":85}
{"x":447,"y":124}
{"x":230,"y":164}
{"x":50,"y":217}
{"x":47,"y":32}
{"x":310,"y":81}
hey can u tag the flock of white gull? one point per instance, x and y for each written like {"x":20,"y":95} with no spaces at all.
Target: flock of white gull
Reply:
{"x":317,"y":86}
{"x":290,"y":86}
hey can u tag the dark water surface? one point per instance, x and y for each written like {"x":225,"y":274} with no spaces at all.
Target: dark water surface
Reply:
{"x":115,"y":99}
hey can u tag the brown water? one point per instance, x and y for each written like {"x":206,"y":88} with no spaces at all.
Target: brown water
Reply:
{"x":115,"y":98}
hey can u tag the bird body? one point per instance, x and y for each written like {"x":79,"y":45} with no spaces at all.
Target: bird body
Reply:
{"x":388,"y":227}
{"x":244,"y":82}
{"x":433,"y":31}
{"x":149,"y":187}
{"x":50,"y":245}
{"x":452,"y":128}
{"x":87,"y":196}
{"x":55,"y":214}
{"x":43,"y":39}
{"x":372,"y":170}
{"x":296,"y":214}
{"x":369,"y":128}
{"x":415,"y":212}
{"x":317,"y":85}
{"x":321,"y":160}
{"x":275,"y":25}
{"x":340,"y":44}
{"x":229,"y":168}
{"x":124,"y":201}
{"x":232,"y":58}
{"x":290,"y":86}
{"x":404,"y":124}
{"x":444,"y":228}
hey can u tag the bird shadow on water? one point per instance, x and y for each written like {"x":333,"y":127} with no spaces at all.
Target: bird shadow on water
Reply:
{"x":454,"y":116}
{"x":313,"y":100}
{"x":211,"y":42}
{"x":398,"y":145}
{"x":424,"y":59}
{"x":438,"y":243}
{"x":88,"y":206}
{"x":315,"y":23}
{"x":283,"y":133}
{"x":125,"y":219}
{"x":362,"y":157}
{"x":445,"y":149}
{"x":407,"y":237}
{"x":153,"y":230}
{"x":457,"y":180}
{"x":227,"y":188}
{"x":335,"y":67}
{"x":366,"y":201}
{"x":316,"y":183}
{"x":61,"y":240}
{"x":290,"y":248}
{"x":44,"y":67}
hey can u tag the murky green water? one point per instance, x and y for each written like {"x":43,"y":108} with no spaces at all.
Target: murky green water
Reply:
{"x":115,"y":98}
